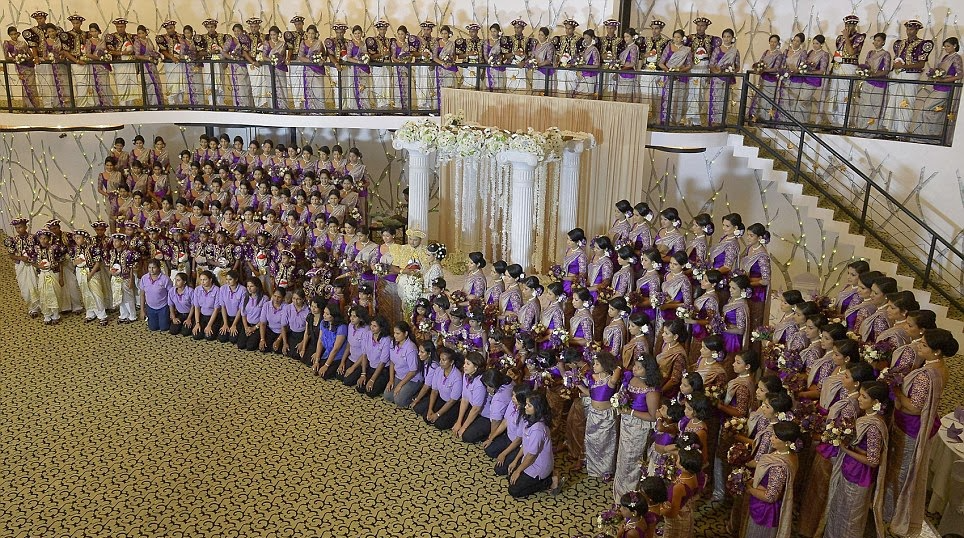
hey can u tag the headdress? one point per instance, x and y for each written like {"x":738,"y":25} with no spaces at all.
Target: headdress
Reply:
{"x":519,"y":23}
{"x":913,"y":23}
{"x":427,"y":24}
{"x":169,"y":24}
{"x":99,"y":225}
{"x":76,"y":17}
{"x":119,"y":21}
{"x":19,"y":220}
{"x":474,"y":26}
{"x":118,"y":235}
{"x":296,"y":19}
{"x":210,"y":23}
{"x":611,"y":22}
{"x":657,"y":24}
{"x":53,"y":222}
{"x":381,"y":23}
{"x":83,"y":233}
{"x":339,"y":26}
{"x":415,"y":233}
{"x":571,"y":23}
{"x":851,"y":19}
{"x":38,"y":15}
{"x":176,"y":230}
{"x":702,"y":20}
{"x":254,"y":20}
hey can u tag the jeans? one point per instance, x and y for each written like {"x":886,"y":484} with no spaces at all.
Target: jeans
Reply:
{"x":158,"y":319}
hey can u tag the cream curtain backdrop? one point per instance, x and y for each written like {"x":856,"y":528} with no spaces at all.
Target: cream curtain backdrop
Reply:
{"x":611,"y":171}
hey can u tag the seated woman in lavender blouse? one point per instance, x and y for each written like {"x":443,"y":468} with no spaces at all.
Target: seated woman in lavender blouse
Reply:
{"x":473,"y":397}
{"x":532,"y":469}
{"x":352,"y":369}
{"x":179,"y":302}
{"x":498,"y":388}
{"x":404,"y":375}
{"x":503,"y":443}
{"x":441,"y":407}
{"x":375,"y":360}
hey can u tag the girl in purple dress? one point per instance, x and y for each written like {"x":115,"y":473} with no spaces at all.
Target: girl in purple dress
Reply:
{"x":94,"y":49}
{"x":858,"y":468}
{"x":574,"y":260}
{"x":725,"y":59}
{"x":236,"y":72}
{"x":677,"y":288}
{"x":755,"y":264}
{"x":669,"y":239}
{"x":860,"y":310}
{"x":636,"y":421}
{"x":771,"y":489}
{"x":735,"y":318}
{"x":672,"y":357}
{"x":848,"y":295}
{"x":590,"y":61}
{"x":443,"y":55}
{"x":311,"y":94}
{"x":678,"y":517}
{"x":625,"y":80}
{"x":440,"y":406}
{"x":600,"y":386}
{"x":623,"y":281}
{"x":876,"y":323}
{"x":146,"y":52}
{"x":503,"y":446}
{"x":378,"y":347}
{"x":650,"y":282}
{"x":16,"y":50}
{"x":404,"y":374}
{"x":705,"y":319}
{"x":614,"y":334}
{"x":769,"y":67}
{"x":930,"y":106}
{"x":540,"y":62}
{"x":619,"y":231}
{"x":817,"y":62}
{"x":54,"y":54}
{"x":581,"y":326}
{"x":697,"y":248}
{"x":640,"y":233}
{"x":359,"y":74}
{"x":531,"y":312}
{"x":494,"y":56}
{"x":473,"y":397}
{"x":676,"y":58}
{"x":404,"y":47}
{"x":725,"y":255}
{"x":599,"y":272}
{"x":553,"y":315}
{"x":474,"y":286}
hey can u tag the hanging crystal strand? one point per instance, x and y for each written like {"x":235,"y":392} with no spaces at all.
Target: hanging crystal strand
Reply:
{"x":554,"y":225}
{"x":503,"y":209}
{"x":540,"y":216}
{"x":455,"y":170}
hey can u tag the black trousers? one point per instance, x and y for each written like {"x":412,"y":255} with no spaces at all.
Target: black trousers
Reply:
{"x":294,"y":340}
{"x":478,"y":431}
{"x":503,"y":470}
{"x":446,"y":420}
{"x":331,"y":372}
{"x":176,"y":328}
{"x":215,"y":327}
{"x":309,"y":351}
{"x":270,"y":337}
{"x":526,"y":485}
{"x":227,"y":337}
{"x":246,"y":342}
{"x":351,"y":379}
{"x":497,"y":445}
{"x":378,"y":383}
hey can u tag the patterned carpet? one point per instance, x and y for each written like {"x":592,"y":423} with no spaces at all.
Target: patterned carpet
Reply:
{"x":115,"y":432}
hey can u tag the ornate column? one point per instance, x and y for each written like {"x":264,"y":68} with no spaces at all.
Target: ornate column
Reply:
{"x":521,"y":206}
{"x":421,"y":164}
{"x":470,"y":204}
{"x":569,"y":184}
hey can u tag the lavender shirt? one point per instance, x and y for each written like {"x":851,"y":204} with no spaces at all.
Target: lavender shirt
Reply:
{"x":515,"y":421}
{"x":182,"y":303}
{"x":474,"y":391}
{"x":231,"y":300}
{"x":207,"y":301}
{"x":495,"y":405}
{"x":432,"y":375}
{"x":378,"y":352}
{"x":405,"y":359}
{"x":449,"y":387}
{"x":535,"y":441}
{"x":297,"y":319}
{"x":357,"y":341}
{"x":275,"y":318}
{"x":253,"y":308}
{"x":156,"y":290}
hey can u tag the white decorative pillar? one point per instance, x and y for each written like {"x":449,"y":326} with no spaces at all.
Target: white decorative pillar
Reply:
{"x":569,"y":184}
{"x":421,"y":163}
{"x":522,"y":206}
{"x":470,"y":204}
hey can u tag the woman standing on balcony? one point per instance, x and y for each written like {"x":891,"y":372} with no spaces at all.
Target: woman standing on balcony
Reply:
{"x":818,"y":63}
{"x":359,"y":77}
{"x":543,"y":56}
{"x":795,"y":64}
{"x":311,"y":94}
{"x":145,"y":51}
{"x":276,"y":50}
{"x":94,"y":48}
{"x":677,"y":58}
{"x":25,"y":67}
{"x":769,"y":67}
{"x":54,"y":55}
{"x":236,"y":72}
{"x":443,"y":54}
{"x":935,"y":104}
{"x":492,"y":50}
{"x":403,"y":48}
{"x":725,"y":59}
{"x":590,"y":60}
{"x":626,"y":86}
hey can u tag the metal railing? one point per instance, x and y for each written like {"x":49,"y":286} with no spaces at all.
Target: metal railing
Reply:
{"x":855,"y":106}
{"x":938,"y":264}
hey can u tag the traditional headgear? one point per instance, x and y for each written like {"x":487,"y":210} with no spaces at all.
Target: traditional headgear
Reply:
{"x":913,"y":23}
{"x":381,"y":23}
{"x":702,"y":20}
{"x":208,"y":23}
{"x":76,"y":17}
{"x":254,"y":20}
{"x":52,"y":222}
{"x":264,"y":233}
{"x":571,"y":23}
{"x":339,"y":26}
{"x":83,"y":233}
{"x":45,"y":232}
{"x":119,"y":21}
{"x":131,"y":224}
{"x":411,"y":232}
{"x":851,"y":19}
{"x":427,"y":24}
{"x":519,"y":23}
{"x":19,"y":220}
{"x":474,"y":26}
{"x":296,"y":19}
{"x":310,"y":273}
{"x":176,"y":230}
{"x":286,"y":252}
{"x":169,"y":24}
{"x":611,"y":22}
{"x":153,"y":229}
{"x":118,"y":236}
{"x":657,"y":24}
{"x":204,"y":229}
{"x":38,"y":15}
{"x":99,"y":225}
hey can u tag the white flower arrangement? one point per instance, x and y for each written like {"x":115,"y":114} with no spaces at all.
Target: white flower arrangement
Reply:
{"x":454,"y":139}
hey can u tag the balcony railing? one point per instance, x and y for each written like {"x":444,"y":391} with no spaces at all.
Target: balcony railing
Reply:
{"x":850,"y":105}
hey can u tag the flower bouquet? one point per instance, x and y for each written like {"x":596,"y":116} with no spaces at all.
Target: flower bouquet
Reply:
{"x":365,"y":59}
{"x":759,"y":66}
{"x":539,"y":331}
{"x":519,"y":59}
{"x":739,"y":454}
{"x":790,"y":363}
{"x":565,"y":60}
{"x":318,"y":58}
{"x":763,"y":333}
{"x":559,"y":338}
{"x":838,"y":432}
{"x":607,"y":522}
{"x":494,"y":60}
{"x":684,"y":312}
{"x":381,"y":269}
{"x":862,"y":72}
{"x":811,"y":420}
{"x":23,"y":59}
{"x":556,"y":273}
{"x":605,"y":294}
{"x":511,"y":326}
{"x":735,"y":425}
{"x":620,"y":400}
{"x":804,"y":68}
{"x":893,"y":379}
{"x":878,"y":351}
{"x":737,"y":479}
{"x":936,"y":73}
{"x":715,"y":393}
{"x":459,"y":297}
{"x":491,"y":316}
{"x":771,"y":356}
{"x":657,"y":298}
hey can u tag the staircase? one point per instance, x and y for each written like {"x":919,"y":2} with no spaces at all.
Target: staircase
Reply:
{"x":766,"y":155}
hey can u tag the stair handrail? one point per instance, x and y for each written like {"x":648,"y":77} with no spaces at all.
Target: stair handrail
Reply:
{"x":744,"y":127}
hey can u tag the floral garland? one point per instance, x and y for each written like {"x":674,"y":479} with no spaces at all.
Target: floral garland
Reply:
{"x":453,"y":139}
